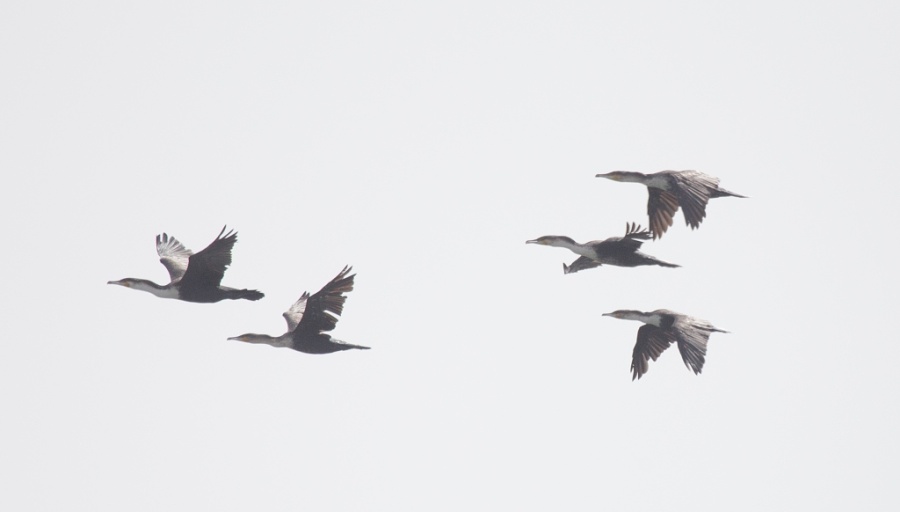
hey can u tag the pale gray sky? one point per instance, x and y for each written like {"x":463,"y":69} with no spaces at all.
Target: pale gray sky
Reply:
{"x":423,"y":143}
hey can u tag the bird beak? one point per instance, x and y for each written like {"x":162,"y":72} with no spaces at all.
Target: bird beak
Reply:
{"x":609,"y":314}
{"x":120,"y":283}
{"x":531,"y":241}
{"x":236,"y":338}
{"x":605,"y":175}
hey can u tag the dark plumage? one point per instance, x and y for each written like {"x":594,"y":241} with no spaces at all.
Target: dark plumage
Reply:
{"x":669,"y":190}
{"x":619,"y":251}
{"x":193,"y":277}
{"x":310,"y":318}
{"x":662,"y":328}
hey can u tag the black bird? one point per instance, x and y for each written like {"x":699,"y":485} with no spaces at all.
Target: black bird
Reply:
{"x":690,"y":190}
{"x":663,"y":327}
{"x":619,"y":251}
{"x":310,"y":318}
{"x":194,"y":277}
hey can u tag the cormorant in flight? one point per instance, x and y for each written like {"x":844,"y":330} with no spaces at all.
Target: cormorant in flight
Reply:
{"x":310,"y":318}
{"x":690,"y":190}
{"x":194,"y":277}
{"x":663,"y":327}
{"x":620,"y":251}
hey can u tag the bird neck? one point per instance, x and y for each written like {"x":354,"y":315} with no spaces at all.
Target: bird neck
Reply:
{"x":633,"y":177}
{"x":165,"y":292}
{"x":265,"y":339}
{"x":572,"y":245}
{"x":647,"y":318}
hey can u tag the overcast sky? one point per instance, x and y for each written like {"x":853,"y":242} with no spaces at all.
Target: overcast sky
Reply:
{"x":423,"y":143}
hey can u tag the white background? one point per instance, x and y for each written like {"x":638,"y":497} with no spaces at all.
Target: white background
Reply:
{"x":423,"y":143}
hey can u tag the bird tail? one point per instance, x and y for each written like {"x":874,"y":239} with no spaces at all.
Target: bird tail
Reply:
{"x":246,"y":294}
{"x":662,"y":263}
{"x":650,"y":260}
{"x":708,"y":327}
{"x":343,"y":345}
{"x":721,"y":192}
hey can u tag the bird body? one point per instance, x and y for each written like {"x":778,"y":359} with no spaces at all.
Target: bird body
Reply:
{"x":193,"y":277}
{"x":619,"y":251}
{"x":662,"y":328}
{"x":310,"y":318}
{"x":669,"y":190}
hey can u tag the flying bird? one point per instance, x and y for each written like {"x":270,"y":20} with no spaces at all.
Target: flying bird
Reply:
{"x":690,"y":190}
{"x":310,"y":318}
{"x":664,"y":327}
{"x":619,"y":251}
{"x":193,"y":277}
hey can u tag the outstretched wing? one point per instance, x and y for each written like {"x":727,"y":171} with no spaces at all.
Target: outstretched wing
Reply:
{"x":617,"y":247}
{"x":693,"y":335}
{"x":293,"y":315}
{"x":172,"y":255}
{"x":693,"y":190}
{"x":661,"y":208}
{"x":582,"y":263}
{"x":692,"y":345}
{"x":207,"y":267}
{"x":651,"y":342}
{"x":634,"y":231}
{"x":317,"y":313}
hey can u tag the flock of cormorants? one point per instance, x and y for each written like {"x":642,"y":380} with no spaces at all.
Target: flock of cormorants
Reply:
{"x":197,"y":277}
{"x":669,"y":190}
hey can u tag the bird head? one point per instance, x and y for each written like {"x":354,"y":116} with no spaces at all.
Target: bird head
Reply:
{"x":614,"y":175}
{"x":551,"y":240}
{"x":625,"y":314}
{"x":253,"y":338}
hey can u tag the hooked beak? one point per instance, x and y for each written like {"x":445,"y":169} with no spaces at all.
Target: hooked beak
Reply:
{"x":120,"y":283}
{"x":607,"y":175}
